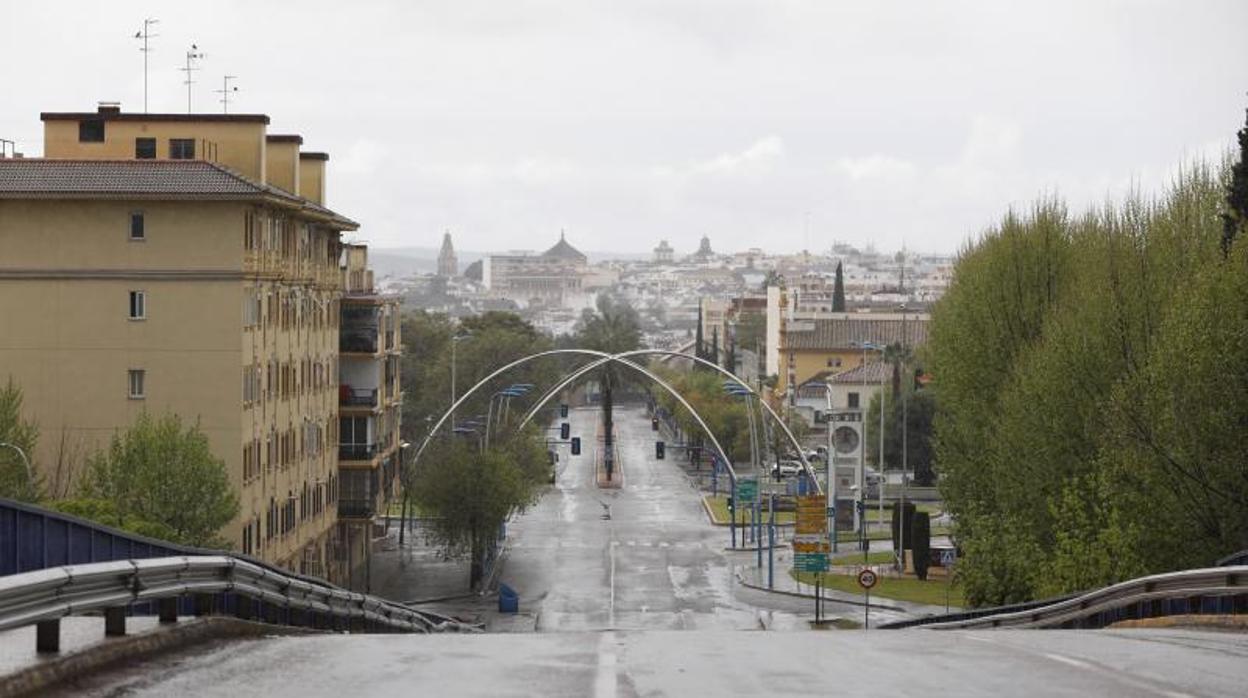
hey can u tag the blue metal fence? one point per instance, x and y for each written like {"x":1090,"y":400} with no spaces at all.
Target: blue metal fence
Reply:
{"x":33,"y":538}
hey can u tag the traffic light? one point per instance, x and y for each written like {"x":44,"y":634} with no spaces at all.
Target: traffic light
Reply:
{"x":576,"y":445}
{"x":565,"y":430}
{"x":659,"y":450}
{"x":563,"y":411}
{"x":654,"y":424}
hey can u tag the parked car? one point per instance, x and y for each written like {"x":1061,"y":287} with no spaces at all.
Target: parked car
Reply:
{"x":785,"y":468}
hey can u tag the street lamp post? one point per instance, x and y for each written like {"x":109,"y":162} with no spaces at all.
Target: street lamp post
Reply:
{"x":905,"y":470}
{"x":455,"y":339}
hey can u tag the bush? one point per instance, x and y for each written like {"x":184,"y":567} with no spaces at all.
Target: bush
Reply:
{"x":909,"y":522}
{"x":921,"y":541}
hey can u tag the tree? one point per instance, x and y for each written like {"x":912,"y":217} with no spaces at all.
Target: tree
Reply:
{"x":920,"y":411}
{"x":469,"y":493}
{"x":1086,"y":373}
{"x":838,"y":291}
{"x":614,"y":328}
{"x":160,"y":471}
{"x":17,"y":479}
{"x":1236,"y":215}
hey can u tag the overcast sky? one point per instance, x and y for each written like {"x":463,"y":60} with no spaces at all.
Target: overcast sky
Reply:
{"x":782,"y":124}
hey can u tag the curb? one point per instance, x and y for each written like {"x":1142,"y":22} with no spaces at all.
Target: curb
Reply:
{"x":799,"y":595}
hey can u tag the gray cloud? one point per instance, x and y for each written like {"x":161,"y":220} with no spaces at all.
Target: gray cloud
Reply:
{"x":750,"y":121}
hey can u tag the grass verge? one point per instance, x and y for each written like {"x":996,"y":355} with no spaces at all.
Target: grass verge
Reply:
{"x":931,"y":592}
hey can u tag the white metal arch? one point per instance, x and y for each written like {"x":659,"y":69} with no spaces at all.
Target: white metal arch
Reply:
{"x":568,"y":380}
{"x":523,"y":360}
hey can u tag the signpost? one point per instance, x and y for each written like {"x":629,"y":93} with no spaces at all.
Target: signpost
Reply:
{"x":948,"y":558}
{"x":810,"y":540}
{"x":867,"y":579}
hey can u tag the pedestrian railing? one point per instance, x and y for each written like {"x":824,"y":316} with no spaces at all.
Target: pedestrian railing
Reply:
{"x":1215,"y":590}
{"x":216,"y":584}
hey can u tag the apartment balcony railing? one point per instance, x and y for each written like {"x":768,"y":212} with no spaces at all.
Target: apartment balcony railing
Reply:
{"x":357,"y":397}
{"x":357,"y":451}
{"x":356,"y":508}
{"x":358,"y":339}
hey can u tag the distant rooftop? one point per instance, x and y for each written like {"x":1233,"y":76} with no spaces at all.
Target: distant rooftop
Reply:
{"x":562,"y":250}
{"x":847,"y":332}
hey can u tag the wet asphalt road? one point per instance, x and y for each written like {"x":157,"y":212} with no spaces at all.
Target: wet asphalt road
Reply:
{"x":655,"y":563}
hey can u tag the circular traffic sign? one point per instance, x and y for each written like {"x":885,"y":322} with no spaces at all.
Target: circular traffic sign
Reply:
{"x":867,"y":579}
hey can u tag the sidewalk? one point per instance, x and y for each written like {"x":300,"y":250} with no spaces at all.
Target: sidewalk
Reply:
{"x":418,"y":572}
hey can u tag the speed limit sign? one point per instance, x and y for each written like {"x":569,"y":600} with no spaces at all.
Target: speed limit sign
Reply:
{"x":867,"y":579}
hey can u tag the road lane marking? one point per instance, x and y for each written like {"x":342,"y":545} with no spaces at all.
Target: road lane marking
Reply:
{"x":1069,"y":661}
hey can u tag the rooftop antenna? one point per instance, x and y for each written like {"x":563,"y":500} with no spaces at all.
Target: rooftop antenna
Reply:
{"x":191,"y":56}
{"x":225,"y":92}
{"x":145,"y":35}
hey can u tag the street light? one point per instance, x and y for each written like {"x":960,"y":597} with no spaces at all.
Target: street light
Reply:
{"x":455,"y":339}
{"x":514,"y":390}
{"x":871,"y":346}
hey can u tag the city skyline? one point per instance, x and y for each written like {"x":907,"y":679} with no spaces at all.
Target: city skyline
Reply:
{"x":796,"y":124}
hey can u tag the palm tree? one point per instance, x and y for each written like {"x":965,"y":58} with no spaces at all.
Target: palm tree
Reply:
{"x":614,"y":328}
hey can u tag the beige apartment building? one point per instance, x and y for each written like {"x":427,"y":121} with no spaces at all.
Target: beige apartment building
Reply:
{"x":369,"y":404}
{"x":187,"y":263}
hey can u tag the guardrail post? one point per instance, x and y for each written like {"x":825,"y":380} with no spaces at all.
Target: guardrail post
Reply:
{"x":48,"y":635}
{"x":168,"y":609}
{"x":243,"y":607}
{"x":115,"y":621}
{"x":203,"y":604}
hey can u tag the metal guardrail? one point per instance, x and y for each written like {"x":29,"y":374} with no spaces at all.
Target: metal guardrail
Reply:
{"x":1214,"y":590}
{"x":43,"y":597}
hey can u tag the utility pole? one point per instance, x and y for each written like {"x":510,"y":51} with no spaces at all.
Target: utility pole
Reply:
{"x":145,"y":35}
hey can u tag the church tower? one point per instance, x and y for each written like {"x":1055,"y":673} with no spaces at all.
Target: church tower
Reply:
{"x":448,"y":265}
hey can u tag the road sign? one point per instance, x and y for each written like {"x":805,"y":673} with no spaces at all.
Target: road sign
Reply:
{"x":948,"y":557}
{"x":810,"y":562}
{"x":747,"y":490}
{"x":812,"y":515}
{"x":867,"y":579}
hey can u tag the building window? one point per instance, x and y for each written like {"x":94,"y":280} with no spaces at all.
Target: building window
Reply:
{"x":145,"y":148}
{"x":138,"y":305}
{"x":138,"y":379}
{"x":137,"y":229}
{"x":182,"y":148}
{"x":853,"y":399}
{"x":834,"y":363}
{"x":91,"y":131}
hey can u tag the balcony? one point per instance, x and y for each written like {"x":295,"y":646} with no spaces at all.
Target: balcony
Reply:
{"x":356,"y":508}
{"x":357,"y":397}
{"x":361,"y":452}
{"x":358,"y":339}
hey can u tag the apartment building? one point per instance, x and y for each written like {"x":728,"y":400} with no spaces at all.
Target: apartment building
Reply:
{"x":184,"y":263}
{"x":369,"y":404}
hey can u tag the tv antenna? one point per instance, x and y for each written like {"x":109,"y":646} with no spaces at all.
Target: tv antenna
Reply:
{"x":145,"y":35}
{"x":226,"y":91}
{"x":194,"y":54}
